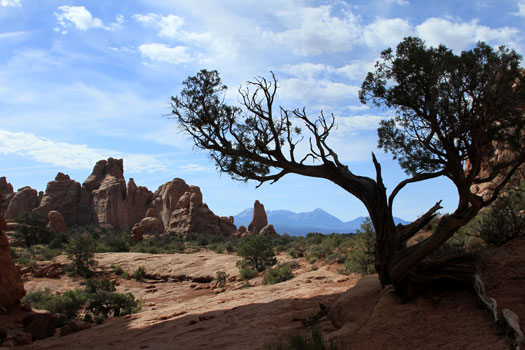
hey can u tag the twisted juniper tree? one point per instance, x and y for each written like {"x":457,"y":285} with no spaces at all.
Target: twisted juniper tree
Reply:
{"x":451,"y":115}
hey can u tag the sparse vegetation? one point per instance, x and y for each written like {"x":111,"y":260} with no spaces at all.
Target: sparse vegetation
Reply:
{"x":81,"y":250}
{"x":221,"y":277}
{"x":139,"y":273}
{"x":277,"y":274}
{"x":32,"y":230}
{"x":98,"y":301}
{"x":257,"y":252}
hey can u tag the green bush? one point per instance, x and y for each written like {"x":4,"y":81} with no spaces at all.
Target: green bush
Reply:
{"x":277,"y":274}
{"x":247,"y":273}
{"x":361,"y":257}
{"x":221,"y":277}
{"x":305,"y":341}
{"x":59,"y":241}
{"x":103,"y":304}
{"x":139,"y":273}
{"x":257,"y":252}
{"x":32,"y":230}
{"x":81,"y":250}
{"x":505,"y":220}
{"x":64,"y":307}
{"x":115,"y":242}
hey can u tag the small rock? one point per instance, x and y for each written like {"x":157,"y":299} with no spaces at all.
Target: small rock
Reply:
{"x":40,"y":326}
{"x":151,"y":290}
{"x":150,"y":286}
{"x":78,"y":325}
{"x":206,"y":317}
{"x":23,"y":338}
{"x":308,"y":281}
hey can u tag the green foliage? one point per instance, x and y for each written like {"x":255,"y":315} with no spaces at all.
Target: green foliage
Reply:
{"x":360,"y":259}
{"x":305,"y":341}
{"x":139,"y":273}
{"x":448,"y":107}
{"x":257,"y":252}
{"x":504,"y":220}
{"x":117,"y":269}
{"x":103,"y":304}
{"x":247,"y":273}
{"x":277,"y":274}
{"x":221,"y":277}
{"x":81,"y":250}
{"x":114,"y":241}
{"x":32,"y":230}
{"x":64,"y":307}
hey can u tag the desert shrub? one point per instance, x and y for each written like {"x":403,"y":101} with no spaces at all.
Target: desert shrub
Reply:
{"x":117,"y":269}
{"x":361,"y":257}
{"x":305,"y":341}
{"x":277,"y":274}
{"x":103,"y":304}
{"x":505,"y":220}
{"x":114,"y":241}
{"x":32,"y":230}
{"x":59,"y":241}
{"x":139,"y":273}
{"x":64,"y":307}
{"x":247,"y":272}
{"x":221,"y":277}
{"x":257,"y":252}
{"x":92,"y":285}
{"x":81,"y":250}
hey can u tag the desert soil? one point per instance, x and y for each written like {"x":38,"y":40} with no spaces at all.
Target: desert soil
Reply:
{"x":183,"y":310}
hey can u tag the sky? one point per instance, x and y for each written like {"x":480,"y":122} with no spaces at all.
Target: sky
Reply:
{"x":86,"y":80}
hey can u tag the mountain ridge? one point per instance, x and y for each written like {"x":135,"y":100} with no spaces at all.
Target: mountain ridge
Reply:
{"x":299,"y":224}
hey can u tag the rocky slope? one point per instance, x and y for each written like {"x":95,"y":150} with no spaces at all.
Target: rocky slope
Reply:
{"x":184,"y":308}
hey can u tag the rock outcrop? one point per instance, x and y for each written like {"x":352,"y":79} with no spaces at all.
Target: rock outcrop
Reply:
{"x":259,"y":219}
{"x":11,"y":285}
{"x":167,"y":197}
{"x":108,"y":190}
{"x":24,"y":200}
{"x":106,"y":200}
{"x":267,"y":230}
{"x":192,"y":215}
{"x":6,"y":189}
{"x":56,"y":222}
{"x":150,"y":225}
{"x":69,"y":198}
{"x":139,"y":199}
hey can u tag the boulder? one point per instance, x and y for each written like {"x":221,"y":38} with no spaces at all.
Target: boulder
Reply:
{"x":40,"y":326}
{"x":152,"y":213}
{"x":146,"y":226}
{"x":267,"y":231}
{"x":48,"y":270}
{"x":69,"y":198}
{"x":56,"y":222}
{"x":354,"y":307}
{"x":12,"y":288}
{"x":24,"y":200}
{"x":259,"y":219}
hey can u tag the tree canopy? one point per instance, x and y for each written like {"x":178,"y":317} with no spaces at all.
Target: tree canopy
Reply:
{"x":451,"y":114}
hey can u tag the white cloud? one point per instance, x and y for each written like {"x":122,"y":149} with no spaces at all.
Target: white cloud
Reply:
{"x":193,"y":168}
{"x":10,"y":3}
{"x":78,"y":16}
{"x":386,"y":32}
{"x":69,"y":155}
{"x":164,"y":53}
{"x":356,"y":70}
{"x":317,"y":31}
{"x":460,"y":35}
{"x":169,"y":26}
{"x":12,"y":35}
{"x":359,"y":122}
{"x":316,"y":91}
{"x":521,"y":9}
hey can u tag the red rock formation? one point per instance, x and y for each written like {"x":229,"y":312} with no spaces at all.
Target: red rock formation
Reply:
{"x":259,"y":219}
{"x":108,"y":190}
{"x":139,"y":198}
{"x":150,"y":225}
{"x":24,"y":200}
{"x":69,"y":198}
{"x":11,"y":285}
{"x":167,"y":196}
{"x":192,"y":215}
{"x":56,"y":222}
{"x":267,"y":230}
{"x":7,"y":193}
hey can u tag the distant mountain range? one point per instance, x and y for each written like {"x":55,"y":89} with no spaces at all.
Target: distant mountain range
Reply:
{"x":299,"y":224}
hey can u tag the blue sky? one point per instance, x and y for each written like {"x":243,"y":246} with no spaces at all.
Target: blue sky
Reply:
{"x":87,"y":80}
